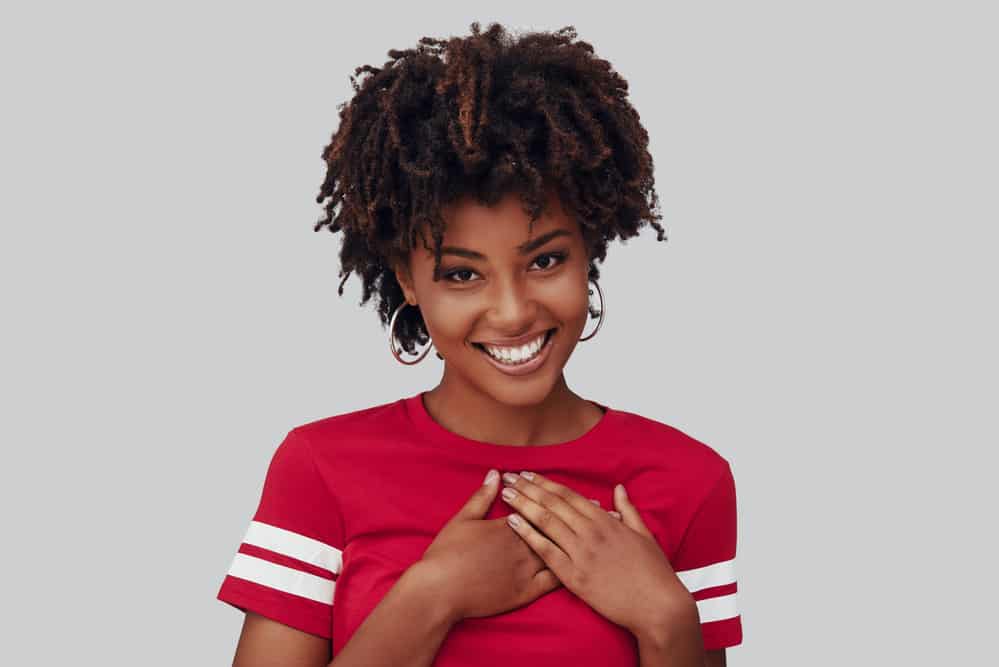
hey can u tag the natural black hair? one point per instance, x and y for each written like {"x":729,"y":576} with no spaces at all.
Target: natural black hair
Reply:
{"x":483,"y":115}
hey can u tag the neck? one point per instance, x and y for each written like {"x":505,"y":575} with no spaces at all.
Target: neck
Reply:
{"x":465,"y":409}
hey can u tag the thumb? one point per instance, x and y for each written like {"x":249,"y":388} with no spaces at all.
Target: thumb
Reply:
{"x":629,"y":514}
{"x":478,"y":505}
{"x":544,"y":581}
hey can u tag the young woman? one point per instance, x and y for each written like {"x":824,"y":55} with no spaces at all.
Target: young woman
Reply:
{"x":477,"y":182}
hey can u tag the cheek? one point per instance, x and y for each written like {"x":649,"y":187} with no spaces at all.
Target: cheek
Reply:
{"x":566,"y":299}
{"x":449,"y":321}
{"x":452,"y":318}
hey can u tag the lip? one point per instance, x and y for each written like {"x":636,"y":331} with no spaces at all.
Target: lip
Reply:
{"x":514,"y":342}
{"x":530,"y":366}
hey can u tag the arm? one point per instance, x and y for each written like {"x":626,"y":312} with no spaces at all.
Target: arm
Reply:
{"x":405,"y":629}
{"x":715,"y":658}
{"x":676,"y":642}
{"x":265,"y":641}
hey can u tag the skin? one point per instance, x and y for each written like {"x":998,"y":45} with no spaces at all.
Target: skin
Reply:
{"x":616,"y":567}
{"x":504,"y":295}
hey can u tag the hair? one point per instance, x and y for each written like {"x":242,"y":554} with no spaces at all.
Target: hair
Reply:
{"x":482,"y":115}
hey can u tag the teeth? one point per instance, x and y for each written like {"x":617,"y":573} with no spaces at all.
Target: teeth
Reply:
{"x":516,"y":355}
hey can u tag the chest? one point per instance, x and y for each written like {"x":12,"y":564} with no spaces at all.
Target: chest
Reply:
{"x":394,"y":508}
{"x":556,"y":628}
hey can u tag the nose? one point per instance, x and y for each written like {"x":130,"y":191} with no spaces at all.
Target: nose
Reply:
{"x":514,"y":310}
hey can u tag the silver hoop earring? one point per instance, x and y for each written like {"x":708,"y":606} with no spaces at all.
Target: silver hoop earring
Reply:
{"x":602,"y":308}
{"x":392,"y":341}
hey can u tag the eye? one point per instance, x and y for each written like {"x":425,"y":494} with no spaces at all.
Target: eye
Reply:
{"x":448,"y":275}
{"x":554,"y":259}
{"x":559,"y":258}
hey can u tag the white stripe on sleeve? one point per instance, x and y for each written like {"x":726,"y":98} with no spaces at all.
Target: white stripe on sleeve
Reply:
{"x":288,"y":543}
{"x":282,"y":578}
{"x":717,"y":574}
{"x":708,"y":576}
{"x":717,"y":609}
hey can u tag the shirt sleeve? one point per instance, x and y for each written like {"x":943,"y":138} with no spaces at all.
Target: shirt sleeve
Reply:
{"x":288,"y":562}
{"x":705,"y":563}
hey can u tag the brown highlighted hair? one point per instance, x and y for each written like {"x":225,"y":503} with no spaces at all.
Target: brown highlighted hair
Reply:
{"x":482,"y":115}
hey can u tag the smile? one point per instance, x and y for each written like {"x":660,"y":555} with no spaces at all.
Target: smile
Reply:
{"x":520,"y":359}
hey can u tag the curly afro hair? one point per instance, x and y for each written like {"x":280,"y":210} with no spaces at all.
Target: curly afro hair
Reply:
{"x":481,"y":115}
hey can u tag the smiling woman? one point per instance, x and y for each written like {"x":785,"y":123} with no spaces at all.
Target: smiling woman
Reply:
{"x":506,"y":317}
{"x":477,"y":182}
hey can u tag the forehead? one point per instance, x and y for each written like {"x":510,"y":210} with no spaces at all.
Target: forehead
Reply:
{"x":501,"y":227}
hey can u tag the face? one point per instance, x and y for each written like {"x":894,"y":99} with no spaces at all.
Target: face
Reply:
{"x":497,"y":284}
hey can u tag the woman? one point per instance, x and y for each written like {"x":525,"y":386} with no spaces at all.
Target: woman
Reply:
{"x":478,"y":181}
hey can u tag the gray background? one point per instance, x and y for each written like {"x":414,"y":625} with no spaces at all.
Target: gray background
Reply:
{"x":823,"y":313}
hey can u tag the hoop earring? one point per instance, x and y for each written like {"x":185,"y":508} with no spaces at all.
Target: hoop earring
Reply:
{"x":392,"y":340}
{"x":602,"y":309}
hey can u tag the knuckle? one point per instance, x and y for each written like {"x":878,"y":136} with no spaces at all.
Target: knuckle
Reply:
{"x":559,"y":490}
{"x":542,"y":549}
{"x":544,"y":518}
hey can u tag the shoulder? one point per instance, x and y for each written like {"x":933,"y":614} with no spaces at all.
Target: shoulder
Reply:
{"x":667,"y":442}
{"x":325,"y":431}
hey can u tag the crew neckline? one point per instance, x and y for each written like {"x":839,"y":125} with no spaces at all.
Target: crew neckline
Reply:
{"x":436,"y":434}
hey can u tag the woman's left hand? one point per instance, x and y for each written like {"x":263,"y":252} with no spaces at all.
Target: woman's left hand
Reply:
{"x":615,"y":566}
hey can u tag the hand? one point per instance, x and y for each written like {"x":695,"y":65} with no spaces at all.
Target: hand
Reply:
{"x":479,"y":567}
{"x":615,"y":566}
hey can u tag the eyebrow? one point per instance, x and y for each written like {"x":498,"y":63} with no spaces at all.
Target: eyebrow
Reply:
{"x":523,"y":248}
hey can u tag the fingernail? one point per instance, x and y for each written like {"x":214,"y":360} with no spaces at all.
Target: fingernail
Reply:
{"x":595,"y":501}
{"x":490,"y":477}
{"x":624,"y":491}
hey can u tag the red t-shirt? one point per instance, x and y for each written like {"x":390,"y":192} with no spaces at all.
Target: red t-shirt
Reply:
{"x":351,"y":501}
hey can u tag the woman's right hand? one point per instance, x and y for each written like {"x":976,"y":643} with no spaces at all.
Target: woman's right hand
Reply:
{"x":482,"y":567}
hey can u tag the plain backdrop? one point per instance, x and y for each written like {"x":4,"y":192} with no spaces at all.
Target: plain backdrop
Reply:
{"x":823,"y":313}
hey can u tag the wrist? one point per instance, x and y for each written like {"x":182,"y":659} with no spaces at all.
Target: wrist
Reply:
{"x":677,"y":621}
{"x":422,"y":580}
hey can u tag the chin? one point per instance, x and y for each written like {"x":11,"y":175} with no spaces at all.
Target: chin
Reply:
{"x":522,"y":395}
{"x":516,"y":391}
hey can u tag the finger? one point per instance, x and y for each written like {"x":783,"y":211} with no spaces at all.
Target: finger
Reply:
{"x":477,"y":506}
{"x":629,"y":513}
{"x":544,"y":581}
{"x":616,"y":515}
{"x":555,"y":558}
{"x":546,"y":518}
{"x":570,"y":506}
